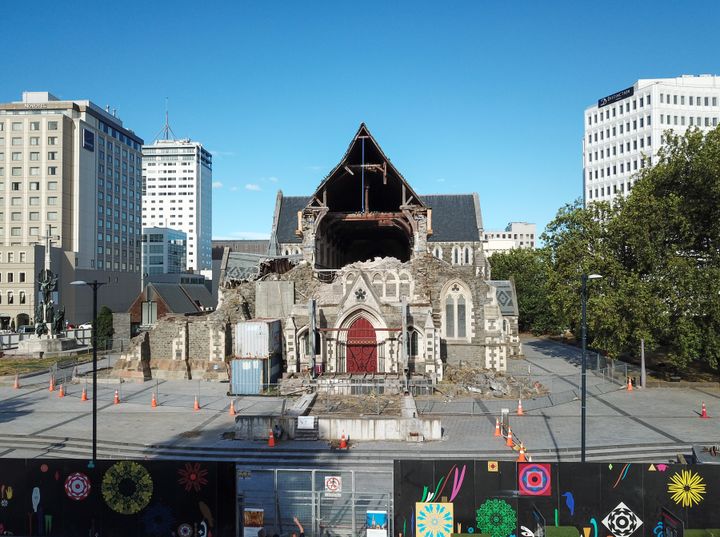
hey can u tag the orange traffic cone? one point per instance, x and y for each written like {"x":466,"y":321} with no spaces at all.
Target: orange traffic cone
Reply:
{"x":17,"y":382}
{"x":271,"y":439}
{"x":232,"y":408}
{"x":343,"y":442}
{"x":61,"y":393}
{"x":497,"y":427}
{"x":153,"y":401}
{"x":629,"y":385}
{"x":519,"y":409}
{"x":83,"y":397}
{"x":116,"y":399}
{"x":703,"y":412}
{"x":51,"y":388}
{"x":196,"y":405}
{"x":521,"y":457}
{"x":509,"y":441}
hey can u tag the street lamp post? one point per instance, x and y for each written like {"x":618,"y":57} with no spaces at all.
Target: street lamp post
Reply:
{"x":93,"y":337}
{"x":583,"y":377}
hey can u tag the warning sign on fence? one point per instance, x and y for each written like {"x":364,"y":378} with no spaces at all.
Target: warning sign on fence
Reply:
{"x":333,"y":486}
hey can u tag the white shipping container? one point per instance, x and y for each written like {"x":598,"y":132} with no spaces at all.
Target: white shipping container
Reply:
{"x":258,"y":338}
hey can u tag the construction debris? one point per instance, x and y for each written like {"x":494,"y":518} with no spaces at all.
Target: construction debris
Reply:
{"x":483,"y":382}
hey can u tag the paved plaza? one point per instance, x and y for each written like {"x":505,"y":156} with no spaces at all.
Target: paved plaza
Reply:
{"x":651,"y":423}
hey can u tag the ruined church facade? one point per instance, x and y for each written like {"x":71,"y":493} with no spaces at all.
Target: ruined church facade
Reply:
{"x":386,"y":280}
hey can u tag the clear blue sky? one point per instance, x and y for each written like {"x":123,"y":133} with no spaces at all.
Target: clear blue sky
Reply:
{"x":463,"y":96}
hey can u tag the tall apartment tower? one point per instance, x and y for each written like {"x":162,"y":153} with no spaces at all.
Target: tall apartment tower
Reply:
{"x":623,"y":131}
{"x":177,"y":194}
{"x":70,"y":178}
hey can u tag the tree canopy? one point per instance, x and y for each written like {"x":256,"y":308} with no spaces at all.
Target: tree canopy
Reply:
{"x":658,"y":252}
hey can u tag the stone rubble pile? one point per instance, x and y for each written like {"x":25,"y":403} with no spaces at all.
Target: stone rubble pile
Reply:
{"x":487,"y":383}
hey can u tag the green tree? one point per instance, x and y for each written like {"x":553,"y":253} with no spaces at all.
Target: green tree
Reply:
{"x":104,"y":329}
{"x":528,"y":270}
{"x":667,"y":238}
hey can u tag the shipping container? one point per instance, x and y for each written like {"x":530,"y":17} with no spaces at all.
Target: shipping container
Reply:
{"x":252,"y":376}
{"x":258,"y":338}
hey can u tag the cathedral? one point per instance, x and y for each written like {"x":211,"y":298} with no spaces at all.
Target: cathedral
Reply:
{"x":369,"y":277}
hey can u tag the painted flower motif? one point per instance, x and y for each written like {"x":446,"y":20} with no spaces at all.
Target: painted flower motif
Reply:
{"x":496,"y":518}
{"x":127,"y":487}
{"x":434,"y":520}
{"x":686,"y":488}
{"x":192,"y":477}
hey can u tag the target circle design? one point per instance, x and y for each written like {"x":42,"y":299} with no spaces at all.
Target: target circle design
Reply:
{"x":333,"y":484}
{"x":534,"y":479}
{"x":185,"y":530}
{"x":77,"y":486}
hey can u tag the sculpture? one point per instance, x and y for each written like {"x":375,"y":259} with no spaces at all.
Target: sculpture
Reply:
{"x":59,"y":320}
{"x":40,"y":327}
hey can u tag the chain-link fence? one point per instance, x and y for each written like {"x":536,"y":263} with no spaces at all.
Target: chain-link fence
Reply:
{"x":330,"y":502}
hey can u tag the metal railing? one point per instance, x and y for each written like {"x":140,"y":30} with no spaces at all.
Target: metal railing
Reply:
{"x":327,"y":502}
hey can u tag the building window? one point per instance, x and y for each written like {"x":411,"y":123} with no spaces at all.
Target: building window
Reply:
{"x":457,"y":305}
{"x":52,"y":125}
{"x":22,"y":297}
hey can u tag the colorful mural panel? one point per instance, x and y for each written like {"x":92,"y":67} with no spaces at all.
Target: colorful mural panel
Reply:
{"x":116,"y":498}
{"x":507,"y":499}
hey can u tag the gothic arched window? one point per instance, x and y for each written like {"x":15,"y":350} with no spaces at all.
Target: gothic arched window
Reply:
{"x":457,"y":306}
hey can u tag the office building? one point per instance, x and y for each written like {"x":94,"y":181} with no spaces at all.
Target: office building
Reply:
{"x":163,"y":250}
{"x":177,"y":193}
{"x":70,"y":178}
{"x":515,"y":235}
{"x":624,"y":131}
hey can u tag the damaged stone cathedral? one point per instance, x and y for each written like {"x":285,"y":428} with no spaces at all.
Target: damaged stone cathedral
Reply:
{"x":366,"y":276}
{"x":375,"y":260}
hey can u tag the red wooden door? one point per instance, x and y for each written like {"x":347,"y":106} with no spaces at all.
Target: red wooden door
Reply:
{"x":361,"y":347}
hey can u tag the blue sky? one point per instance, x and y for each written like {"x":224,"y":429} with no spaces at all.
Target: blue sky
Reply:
{"x":462,"y":96}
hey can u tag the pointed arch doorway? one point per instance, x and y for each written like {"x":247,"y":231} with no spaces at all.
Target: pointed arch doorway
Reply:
{"x":361,"y":347}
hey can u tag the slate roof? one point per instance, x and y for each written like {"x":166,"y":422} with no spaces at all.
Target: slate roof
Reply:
{"x":454,"y":217}
{"x":287,"y":219}
{"x":180,"y":298}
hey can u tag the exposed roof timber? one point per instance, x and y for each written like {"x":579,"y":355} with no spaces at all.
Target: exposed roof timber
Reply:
{"x":364,"y":133}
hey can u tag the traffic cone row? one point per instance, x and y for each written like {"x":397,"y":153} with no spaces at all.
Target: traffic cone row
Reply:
{"x":703,"y":412}
{"x":153,"y":401}
{"x":83,"y":397}
{"x":116,"y":399}
{"x":61,"y":393}
{"x":51,"y":388}
{"x":509,"y":442}
{"x":271,"y":439}
{"x":520,"y":408}
{"x":497,"y":427}
{"x":196,"y":406}
{"x":629,"y":385}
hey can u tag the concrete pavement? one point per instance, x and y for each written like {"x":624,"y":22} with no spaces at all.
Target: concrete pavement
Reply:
{"x":35,"y":422}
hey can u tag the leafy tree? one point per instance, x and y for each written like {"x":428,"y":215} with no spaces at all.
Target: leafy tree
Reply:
{"x":104,"y":327}
{"x":528,"y":270}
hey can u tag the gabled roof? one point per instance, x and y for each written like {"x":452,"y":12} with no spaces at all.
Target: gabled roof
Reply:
{"x":364,"y":133}
{"x":182,"y":298}
{"x":287,"y":209}
{"x":455,"y":217}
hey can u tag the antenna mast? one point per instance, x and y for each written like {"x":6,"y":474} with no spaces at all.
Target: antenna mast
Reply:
{"x":166,"y":133}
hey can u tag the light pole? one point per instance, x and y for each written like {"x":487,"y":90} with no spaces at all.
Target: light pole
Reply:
{"x":583,"y":377}
{"x":94,"y":284}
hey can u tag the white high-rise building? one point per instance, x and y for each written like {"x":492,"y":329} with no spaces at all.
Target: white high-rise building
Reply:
{"x":71,"y":171}
{"x":177,"y":194}
{"x":515,"y":235}
{"x":623,"y":131}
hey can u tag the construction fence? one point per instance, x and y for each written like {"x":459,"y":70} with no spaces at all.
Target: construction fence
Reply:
{"x":327,"y":502}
